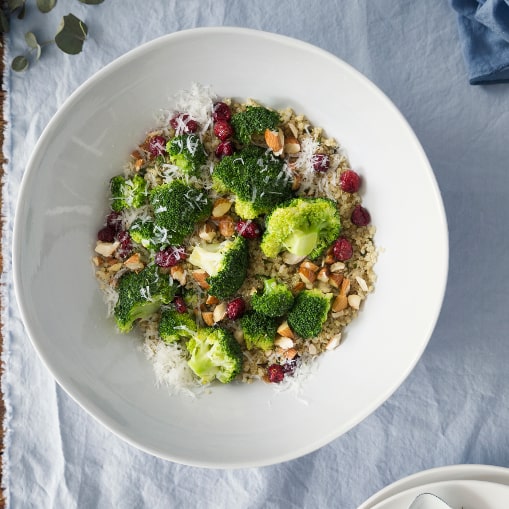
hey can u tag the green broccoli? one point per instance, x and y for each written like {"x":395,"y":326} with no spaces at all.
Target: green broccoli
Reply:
{"x":215,"y":354}
{"x":128,"y":192}
{"x":275,"y":300}
{"x":142,"y":232}
{"x":309,"y":312}
{"x":140,"y":295}
{"x":302,"y":226}
{"x":187,"y":152}
{"x":256,"y":177}
{"x":259,"y":330}
{"x":254,"y":120}
{"x":178,"y":206}
{"x":225,"y":263}
{"x":175,"y":326}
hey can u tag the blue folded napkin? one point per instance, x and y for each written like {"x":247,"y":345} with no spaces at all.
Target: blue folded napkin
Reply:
{"x":484,"y":34}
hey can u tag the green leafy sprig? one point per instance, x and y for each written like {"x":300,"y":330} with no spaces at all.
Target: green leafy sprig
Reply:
{"x":70,"y":37}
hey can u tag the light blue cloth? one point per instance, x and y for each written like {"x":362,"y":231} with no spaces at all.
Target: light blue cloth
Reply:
{"x":484,"y":32}
{"x":454,"y":406}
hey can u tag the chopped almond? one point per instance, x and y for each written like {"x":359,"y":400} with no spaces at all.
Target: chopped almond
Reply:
{"x":284,"y":330}
{"x":226,"y":226}
{"x":221,"y":207}
{"x":208,"y":318}
{"x":200,"y":276}
{"x":275,"y":141}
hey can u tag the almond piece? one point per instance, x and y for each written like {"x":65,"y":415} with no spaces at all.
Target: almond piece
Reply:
{"x":299,"y":287}
{"x":354,"y":300}
{"x":207,"y":232}
{"x":275,"y":141}
{"x":284,"y":330}
{"x":221,"y":207}
{"x":296,"y":180}
{"x":293,"y":129}
{"x":308,"y":276}
{"x":106,"y":248}
{"x":292,"y":145}
{"x":115,"y":267}
{"x":335,"y":279}
{"x":290,"y":353}
{"x":291,"y":259}
{"x":337,"y":267}
{"x":310,"y":265}
{"x":219,"y":312}
{"x":211,"y":300}
{"x":178,"y":273}
{"x":323,"y":275}
{"x":362,"y":283}
{"x":96,"y":261}
{"x":340,"y":303}
{"x":312,"y":349}
{"x":200,"y":276}
{"x":134,"y":263}
{"x":208,"y":317}
{"x":329,"y":259}
{"x":334,"y":342}
{"x":226,"y":226}
{"x":283,"y":342}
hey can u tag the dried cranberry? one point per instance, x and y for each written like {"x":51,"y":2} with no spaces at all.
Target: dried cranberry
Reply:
{"x":321,"y":162}
{"x":106,"y":234}
{"x":275,"y":373}
{"x":221,"y":112}
{"x":248,"y":229}
{"x":360,"y":216}
{"x":225,"y":148}
{"x":342,"y":249}
{"x":157,"y":145}
{"x":183,"y":123}
{"x":180,"y":305}
{"x":114,"y":220}
{"x":126,"y":245}
{"x":349,"y":181}
{"x":223,"y":130}
{"x":235,"y":308}
{"x":170,"y":256}
{"x":289,"y":366}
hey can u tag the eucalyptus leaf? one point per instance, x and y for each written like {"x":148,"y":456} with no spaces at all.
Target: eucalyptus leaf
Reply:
{"x":71,"y":34}
{"x":20,"y":63}
{"x":4,"y":22}
{"x":46,"y":5}
{"x":92,"y":2}
{"x":31,"y":40}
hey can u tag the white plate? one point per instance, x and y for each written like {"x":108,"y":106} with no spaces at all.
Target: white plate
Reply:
{"x":486,"y":474}
{"x":456,"y":494}
{"x":62,"y":205}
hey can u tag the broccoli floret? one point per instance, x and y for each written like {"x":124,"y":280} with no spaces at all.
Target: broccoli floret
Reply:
{"x":275,"y":300}
{"x":128,"y":193}
{"x":256,"y":177}
{"x":259,"y":330}
{"x":255,"y":120}
{"x":187,"y":152}
{"x":309,"y":312}
{"x":178,"y":206}
{"x":142,"y":232}
{"x":302,"y":226}
{"x":140,"y":295}
{"x":225,"y":263}
{"x":175,"y":326}
{"x":215,"y":354}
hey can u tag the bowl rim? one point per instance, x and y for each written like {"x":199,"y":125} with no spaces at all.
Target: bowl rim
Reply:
{"x":110,"y":68}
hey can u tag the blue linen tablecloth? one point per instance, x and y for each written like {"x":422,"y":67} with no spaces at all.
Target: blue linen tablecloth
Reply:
{"x":454,"y":406}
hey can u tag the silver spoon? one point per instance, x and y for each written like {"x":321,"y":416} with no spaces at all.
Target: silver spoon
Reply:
{"x":428,"y":501}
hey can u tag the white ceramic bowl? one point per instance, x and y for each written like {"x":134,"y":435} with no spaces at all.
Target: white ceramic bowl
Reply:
{"x":62,"y":205}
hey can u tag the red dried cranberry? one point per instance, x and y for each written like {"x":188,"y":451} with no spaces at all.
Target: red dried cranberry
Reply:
{"x":106,"y":234}
{"x":223,"y":130}
{"x":180,"y":305}
{"x":289,"y":366}
{"x":225,"y":148}
{"x":221,"y":112}
{"x":183,"y":123}
{"x":170,"y":256}
{"x":349,"y":181}
{"x":126,"y":245}
{"x":157,"y":145}
{"x":275,"y":373}
{"x":321,"y":162}
{"x":342,"y":249}
{"x":360,"y":216}
{"x":114,"y":220}
{"x":248,"y":229}
{"x":235,"y":308}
